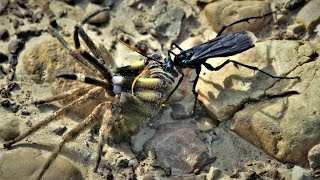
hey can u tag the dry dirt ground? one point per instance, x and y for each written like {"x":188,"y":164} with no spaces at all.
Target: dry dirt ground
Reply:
{"x":171,"y":144}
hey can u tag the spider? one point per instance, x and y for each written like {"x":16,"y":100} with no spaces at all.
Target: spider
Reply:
{"x":120,"y":112}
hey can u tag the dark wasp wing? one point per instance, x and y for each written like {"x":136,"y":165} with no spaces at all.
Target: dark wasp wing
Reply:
{"x":222,"y":46}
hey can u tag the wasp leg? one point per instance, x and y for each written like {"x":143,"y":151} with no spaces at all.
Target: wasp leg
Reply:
{"x":236,"y":64}
{"x":243,"y":20}
{"x":93,"y":118}
{"x":74,"y":92}
{"x":198,"y":70}
{"x":178,"y":84}
{"x":90,"y":95}
{"x":105,"y":129}
{"x":176,"y":45}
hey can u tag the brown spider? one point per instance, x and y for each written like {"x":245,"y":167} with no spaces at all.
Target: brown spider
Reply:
{"x":120,"y":112}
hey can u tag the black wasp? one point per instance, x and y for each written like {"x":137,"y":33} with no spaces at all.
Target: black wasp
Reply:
{"x":220,"y":46}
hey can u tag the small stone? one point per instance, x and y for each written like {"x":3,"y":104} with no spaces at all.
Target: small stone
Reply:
{"x":60,"y":130}
{"x":213,"y":173}
{"x":3,"y":57}
{"x":25,"y":113}
{"x":205,"y":124}
{"x":309,"y":15}
{"x":9,"y":128}
{"x":205,"y":1}
{"x":101,"y":18}
{"x":3,"y":5}
{"x":4,"y":34}
{"x":298,"y":173}
{"x":177,"y":146}
{"x":97,"y":1}
{"x":314,"y":160}
{"x":297,"y":29}
{"x":25,"y":163}
{"x":15,"y":46}
{"x":70,"y":1}
{"x":294,"y":4}
{"x":22,"y":3}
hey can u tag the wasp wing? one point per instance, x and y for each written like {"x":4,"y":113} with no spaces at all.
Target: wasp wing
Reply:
{"x":222,"y":46}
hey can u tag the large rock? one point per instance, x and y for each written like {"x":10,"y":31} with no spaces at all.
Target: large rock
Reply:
{"x":25,"y":163}
{"x":286,"y":123}
{"x":225,"y":12}
{"x":226,"y":91}
{"x":309,"y":15}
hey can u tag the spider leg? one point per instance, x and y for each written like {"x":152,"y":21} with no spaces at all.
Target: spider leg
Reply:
{"x":93,"y":118}
{"x":176,"y":45}
{"x":83,"y":56}
{"x":98,"y":58}
{"x":105,"y":129}
{"x":74,"y":92}
{"x":86,"y":79}
{"x":243,"y":20}
{"x":90,"y":95}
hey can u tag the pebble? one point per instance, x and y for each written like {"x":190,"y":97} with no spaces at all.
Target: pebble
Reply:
{"x":213,"y":173}
{"x":98,"y":19}
{"x":60,"y":130}
{"x":25,"y":163}
{"x":3,"y":5}
{"x":22,"y":3}
{"x":299,"y":173}
{"x":294,"y":4}
{"x":4,"y":33}
{"x":97,"y":1}
{"x":314,"y":160}
{"x":297,"y":29}
{"x":9,"y":128}
{"x":309,"y":15}
{"x":70,"y":1}
{"x":177,"y":146}
{"x":205,"y":124}
{"x":15,"y":46}
{"x":3,"y":57}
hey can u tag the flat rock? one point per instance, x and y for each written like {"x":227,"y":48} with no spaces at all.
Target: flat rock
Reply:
{"x":9,"y":127}
{"x":314,"y":160}
{"x":224,"y":92}
{"x":225,"y":12}
{"x":25,"y":163}
{"x":285,"y":125}
{"x":309,"y":15}
{"x":177,"y":146}
{"x":3,"y":5}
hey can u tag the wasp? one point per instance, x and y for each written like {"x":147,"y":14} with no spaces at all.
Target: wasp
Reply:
{"x":220,"y":46}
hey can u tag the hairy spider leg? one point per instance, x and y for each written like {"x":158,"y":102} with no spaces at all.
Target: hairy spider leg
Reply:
{"x":92,"y":119}
{"x":105,"y":129}
{"x":65,"y":109}
{"x":83,"y":58}
{"x":97,"y":60}
{"x":74,"y":92}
